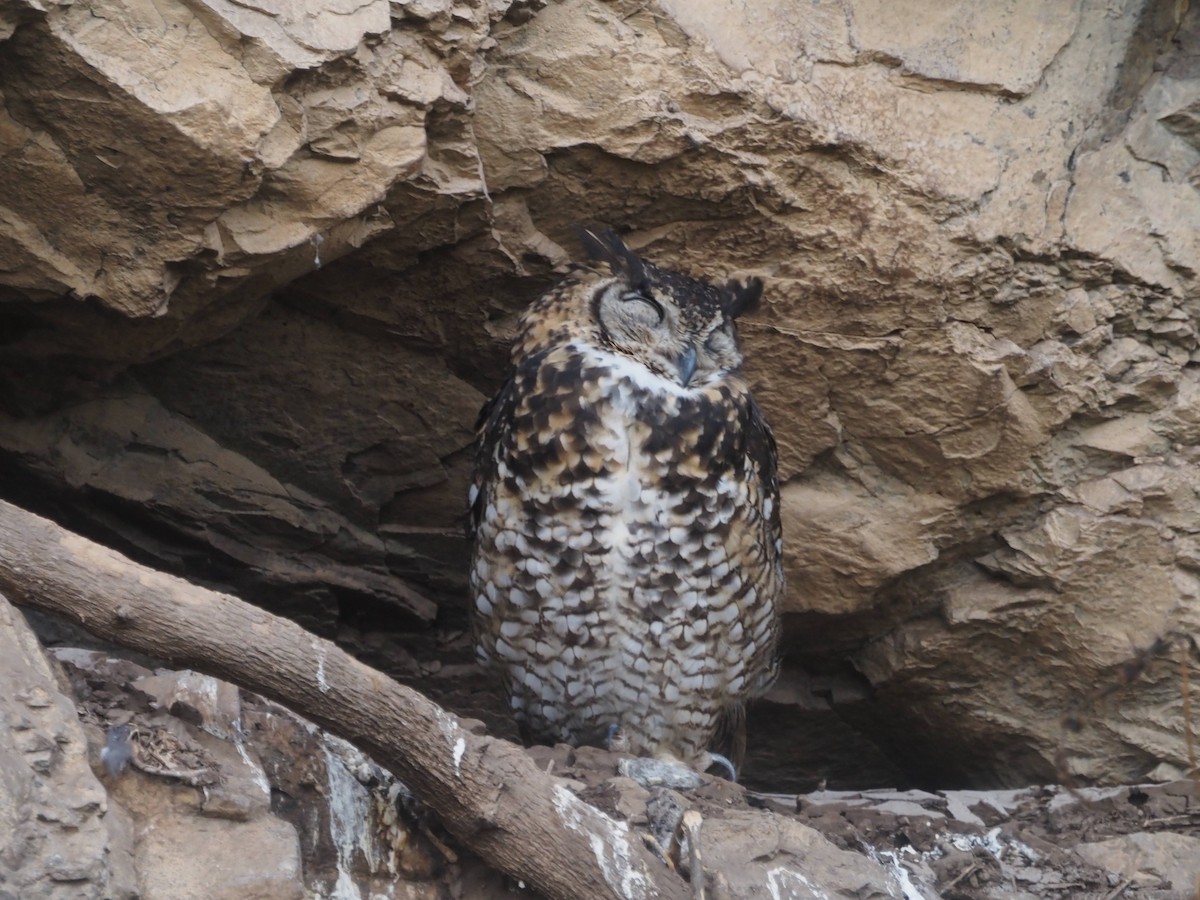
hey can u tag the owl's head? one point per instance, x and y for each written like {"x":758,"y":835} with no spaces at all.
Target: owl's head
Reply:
{"x":680,"y":328}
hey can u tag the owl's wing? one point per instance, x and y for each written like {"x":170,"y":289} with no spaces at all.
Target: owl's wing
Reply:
{"x":491,"y":430}
{"x":764,"y":459}
{"x":763,"y":456}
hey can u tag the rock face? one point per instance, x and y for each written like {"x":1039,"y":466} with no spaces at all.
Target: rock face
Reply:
{"x":258,"y":265}
{"x":59,"y":839}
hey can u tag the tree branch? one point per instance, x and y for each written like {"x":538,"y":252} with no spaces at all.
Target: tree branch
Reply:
{"x":487,"y":791}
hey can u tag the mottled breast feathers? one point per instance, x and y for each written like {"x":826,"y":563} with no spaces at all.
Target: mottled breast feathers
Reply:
{"x":625,"y":514}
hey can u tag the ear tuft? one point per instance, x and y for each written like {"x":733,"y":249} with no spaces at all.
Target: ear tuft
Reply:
{"x":742,"y":296}
{"x":604,"y":245}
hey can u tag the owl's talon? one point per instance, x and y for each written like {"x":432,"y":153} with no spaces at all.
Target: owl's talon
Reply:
{"x":716,"y":759}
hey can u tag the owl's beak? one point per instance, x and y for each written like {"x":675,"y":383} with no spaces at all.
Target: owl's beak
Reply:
{"x":686,"y":364}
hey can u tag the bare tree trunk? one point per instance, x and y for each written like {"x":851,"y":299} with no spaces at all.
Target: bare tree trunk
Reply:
{"x":486,"y":791}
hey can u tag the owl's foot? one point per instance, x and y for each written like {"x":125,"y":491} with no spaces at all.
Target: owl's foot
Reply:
{"x":652,"y":772}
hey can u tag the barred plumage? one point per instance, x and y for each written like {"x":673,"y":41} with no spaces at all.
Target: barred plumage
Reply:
{"x":627,"y":562}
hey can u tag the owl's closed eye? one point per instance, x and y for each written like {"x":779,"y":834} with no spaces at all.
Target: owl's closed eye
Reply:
{"x":679,"y":328}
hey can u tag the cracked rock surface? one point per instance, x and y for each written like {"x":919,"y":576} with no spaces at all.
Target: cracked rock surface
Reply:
{"x":258,"y":265}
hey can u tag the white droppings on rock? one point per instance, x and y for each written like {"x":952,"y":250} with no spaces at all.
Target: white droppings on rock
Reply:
{"x":257,"y":773}
{"x":451,"y":731}
{"x":996,"y":843}
{"x":448,"y":725}
{"x":348,"y":812}
{"x":896,"y":869}
{"x":319,"y":650}
{"x":783,"y":882}
{"x":609,"y":840}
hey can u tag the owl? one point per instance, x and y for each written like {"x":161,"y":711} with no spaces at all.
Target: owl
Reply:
{"x":626,"y":568}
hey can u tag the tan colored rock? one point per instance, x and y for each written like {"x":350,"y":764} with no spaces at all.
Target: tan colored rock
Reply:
{"x":187,"y":858}
{"x":1163,"y":860}
{"x":834,"y":529}
{"x":59,"y":838}
{"x":758,"y":855}
{"x":221,"y":154}
{"x":1023,"y":41}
